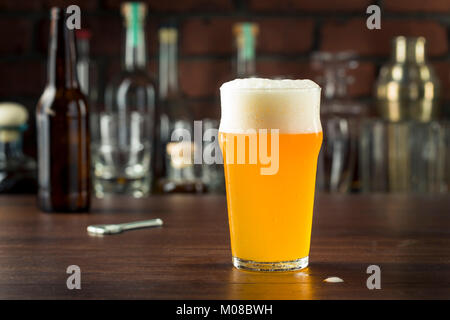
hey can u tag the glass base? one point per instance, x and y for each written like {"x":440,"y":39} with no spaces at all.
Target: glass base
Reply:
{"x":137,"y":188}
{"x":292,"y":265}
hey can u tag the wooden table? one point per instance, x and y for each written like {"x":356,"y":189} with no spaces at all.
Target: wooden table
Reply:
{"x":189,"y":258}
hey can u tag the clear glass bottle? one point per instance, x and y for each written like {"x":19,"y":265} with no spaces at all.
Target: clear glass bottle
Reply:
{"x":177,"y":167}
{"x":244,"y":66}
{"x":122,"y":152}
{"x":212,"y":173}
{"x":341,"y":116}
{"x":17,"y":171}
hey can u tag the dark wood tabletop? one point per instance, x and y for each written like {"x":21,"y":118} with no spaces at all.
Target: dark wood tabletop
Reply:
{"x":408,"y":237}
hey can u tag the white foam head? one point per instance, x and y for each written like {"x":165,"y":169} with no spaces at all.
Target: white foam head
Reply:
{"x":292,"y":106}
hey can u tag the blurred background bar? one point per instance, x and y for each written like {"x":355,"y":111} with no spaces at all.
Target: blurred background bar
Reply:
{"x":405,"y":156}
{"x":385,"y":93}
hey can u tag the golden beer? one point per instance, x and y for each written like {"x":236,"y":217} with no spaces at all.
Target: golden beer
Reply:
{"x":270,"y":203}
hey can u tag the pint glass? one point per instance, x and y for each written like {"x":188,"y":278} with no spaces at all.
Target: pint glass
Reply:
{"x":270,"y":136}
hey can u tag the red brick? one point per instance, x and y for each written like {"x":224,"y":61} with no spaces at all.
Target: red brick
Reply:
{"x":307,"y":5}
{"x":106,"y":35}
{"x":206,"y":36}
{"x":203,"y":78}
{"x":179,"y":6}
{"x":443,"y":72}
{"x":285,"y":35}
{"x":417,"y":6}
{"x":83,"y":4}
{"x":354,"y":35}
{"x":18,"y":5}
{"x":200,"y":36}
{"x":204,"y":109}
{"x":151,"y":34}
{"x":285,"y":69}
{"x":363,"y":75}
{"x":363,"y":80}
{"x":115,"y":66}
{"x":23,"y":5}
{"x":15,"y":35}
{"x":23,"y":78}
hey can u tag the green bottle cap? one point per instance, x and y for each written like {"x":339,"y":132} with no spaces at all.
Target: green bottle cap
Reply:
{"x":134,"y":13}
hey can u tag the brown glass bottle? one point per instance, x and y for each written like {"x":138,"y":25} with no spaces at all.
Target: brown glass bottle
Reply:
{"x":63,"y":128}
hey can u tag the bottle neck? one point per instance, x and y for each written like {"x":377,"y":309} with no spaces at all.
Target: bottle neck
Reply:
{"x":135,"y":51}
{"x":245,"y":43}
{"x":168,"y":63}
{"x":245,"y":66}
{"x":83,"y":64}
{"x":409,"y":50}
{"x":83,"y":49}
{"x":62,"y":53}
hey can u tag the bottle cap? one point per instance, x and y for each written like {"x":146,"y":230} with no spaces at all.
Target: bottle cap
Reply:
{"x":12,"y":114}
{"x":246,"y":33}
{"x":168,"y":35}
{"x":83,"y":34}
{"x":13,"y":117}
{"x":134,"y":12}
{"x":241,"y":27}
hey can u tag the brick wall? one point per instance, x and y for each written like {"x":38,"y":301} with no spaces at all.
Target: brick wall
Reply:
{"x":290,"y":30}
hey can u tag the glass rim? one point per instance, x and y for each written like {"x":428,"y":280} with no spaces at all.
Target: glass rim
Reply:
{"x":270,"y":89}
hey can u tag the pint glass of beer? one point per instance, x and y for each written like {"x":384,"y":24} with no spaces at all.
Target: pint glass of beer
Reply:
{"x":270,"y":136}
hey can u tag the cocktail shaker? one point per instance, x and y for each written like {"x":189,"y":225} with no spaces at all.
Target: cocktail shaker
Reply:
{"x":407,"y":87}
